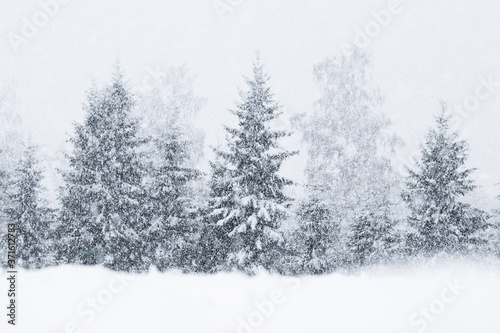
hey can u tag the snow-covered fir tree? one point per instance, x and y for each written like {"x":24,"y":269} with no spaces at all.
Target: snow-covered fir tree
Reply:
{"x":318,"y":238}
{"x":436,"y":186}
{"x":349,"y":147}
{"x":247,"y":194}
{"x":11,"y":148}
{"x":29,"y":212}
{"x":173,"y":148}
{"x":214,"y":244}
{"x":103,"y":197}
{"x":491,"y":235}
{"x":372,"y":238}
{"x":173,"y":227}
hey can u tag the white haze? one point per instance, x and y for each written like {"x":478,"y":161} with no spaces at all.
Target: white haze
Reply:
{"x":430,"y":50}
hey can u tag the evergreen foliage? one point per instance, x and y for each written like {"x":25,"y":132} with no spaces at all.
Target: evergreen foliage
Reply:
{"x":247,"y":199}
{"x":29,"y":213}
{"x":435,"y":190}
{"x":103,"y":193}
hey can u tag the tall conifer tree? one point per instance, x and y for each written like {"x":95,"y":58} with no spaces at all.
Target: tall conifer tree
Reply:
{"x":247,"y":194}
{"x":29,"y":213}
{"x":102,"y":197}
{"x":435,"y":190}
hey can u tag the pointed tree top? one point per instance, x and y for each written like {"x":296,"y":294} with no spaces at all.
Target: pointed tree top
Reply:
{"x":117,"y":74}
{"x":258,"y":69}
{"x":443,"y":118}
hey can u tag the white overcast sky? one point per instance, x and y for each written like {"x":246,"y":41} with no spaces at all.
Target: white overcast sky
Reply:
{"x":430,"y":50}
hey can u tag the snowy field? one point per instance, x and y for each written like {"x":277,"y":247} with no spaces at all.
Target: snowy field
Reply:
{"x":450,"y":299}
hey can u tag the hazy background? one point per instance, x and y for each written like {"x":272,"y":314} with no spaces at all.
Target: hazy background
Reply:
{"x":430,"y":50}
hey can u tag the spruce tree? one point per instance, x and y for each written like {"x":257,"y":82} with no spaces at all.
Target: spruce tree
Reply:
{"x":103,"y":193}
{"x":214,"y":244}
{"x":169,"y":206}
{"x":372,"y":238}
{"x":318,"y":237}
{"x":247,"y":195}
{"x":435,"y":188}
{"x":28,"y":212}
{"x":173,"y":148}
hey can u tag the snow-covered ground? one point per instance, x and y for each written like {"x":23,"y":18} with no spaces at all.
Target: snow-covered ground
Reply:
{"x":451,"y":298}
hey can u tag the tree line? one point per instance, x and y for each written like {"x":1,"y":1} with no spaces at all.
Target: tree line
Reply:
{"x":133,"y":198}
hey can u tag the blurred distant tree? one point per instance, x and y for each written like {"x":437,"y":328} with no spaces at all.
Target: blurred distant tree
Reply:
{"x":348,"y":171}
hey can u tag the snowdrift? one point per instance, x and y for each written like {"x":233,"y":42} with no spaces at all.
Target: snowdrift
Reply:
{"x":453,"y":298}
